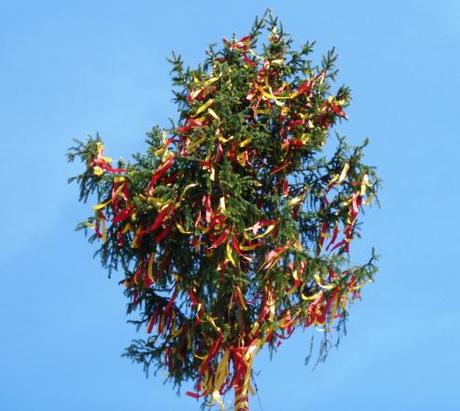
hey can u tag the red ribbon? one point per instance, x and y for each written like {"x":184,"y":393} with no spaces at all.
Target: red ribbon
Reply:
{"x":160,"y":218}
{"x":162,"y":171}
{"x":223,"y":237}
{"x":163,"y":234}
{"x":212,"y":353}
{"x":123,"y":215}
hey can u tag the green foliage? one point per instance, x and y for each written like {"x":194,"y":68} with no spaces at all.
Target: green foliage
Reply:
{"x":234,"y":228}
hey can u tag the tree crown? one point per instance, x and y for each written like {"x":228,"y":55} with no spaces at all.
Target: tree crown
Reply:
{"x":234,"y":228}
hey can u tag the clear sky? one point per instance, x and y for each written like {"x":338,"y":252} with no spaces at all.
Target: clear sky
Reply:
{"x":71,"y":68}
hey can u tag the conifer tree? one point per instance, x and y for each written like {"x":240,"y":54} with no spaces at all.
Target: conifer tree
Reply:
{"x":234,"y":228}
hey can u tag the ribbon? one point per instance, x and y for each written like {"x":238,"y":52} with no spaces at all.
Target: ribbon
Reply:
{"x":161,"y":216}
{"x":221,"y":239}
{"x":212,"y":353}
{"x":101,"y":163}
{"x":162,"y":171}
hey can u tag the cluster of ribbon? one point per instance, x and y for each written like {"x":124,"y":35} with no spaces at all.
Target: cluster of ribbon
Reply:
{"x":226,"y":361}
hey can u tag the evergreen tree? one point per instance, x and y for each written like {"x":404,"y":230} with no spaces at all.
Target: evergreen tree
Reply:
{"x":234,"y":228}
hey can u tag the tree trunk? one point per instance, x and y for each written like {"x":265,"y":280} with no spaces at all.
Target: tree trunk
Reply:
{"x":241,"y":399}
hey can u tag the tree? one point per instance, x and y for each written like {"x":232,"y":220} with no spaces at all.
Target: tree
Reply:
{"x":234,"y":228}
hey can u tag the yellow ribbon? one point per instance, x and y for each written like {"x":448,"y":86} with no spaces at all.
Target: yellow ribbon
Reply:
{"x":150,"y":267}
{"x":230,"y":255}
{"x":326,"y":287}
{"x":213,"y":113}
{"x":204,"y":106}
{"x":102,"y":205}
{"x":181,"y":228}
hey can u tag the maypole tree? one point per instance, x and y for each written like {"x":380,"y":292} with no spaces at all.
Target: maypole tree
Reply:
{"x":234,"y":228}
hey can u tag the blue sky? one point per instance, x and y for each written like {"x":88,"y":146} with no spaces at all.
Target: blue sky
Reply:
{"x":68,"y":69}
